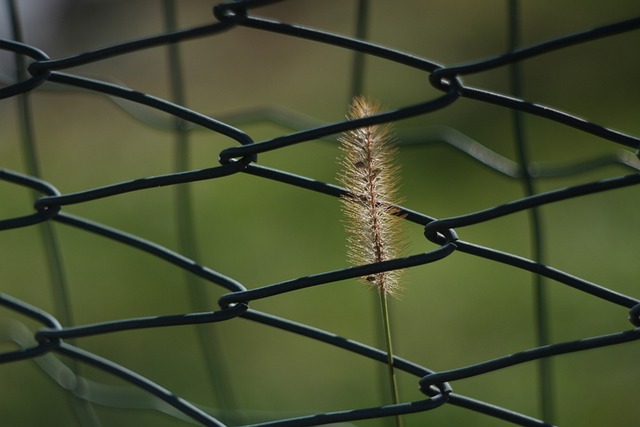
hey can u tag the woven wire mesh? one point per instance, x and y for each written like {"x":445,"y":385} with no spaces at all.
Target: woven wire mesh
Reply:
{"x":50,"y":328}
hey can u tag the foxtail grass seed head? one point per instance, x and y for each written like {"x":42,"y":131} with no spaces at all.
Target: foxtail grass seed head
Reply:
{"x":370,"y":175}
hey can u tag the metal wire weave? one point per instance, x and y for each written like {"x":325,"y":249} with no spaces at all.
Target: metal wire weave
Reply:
{"x":58,"y":336}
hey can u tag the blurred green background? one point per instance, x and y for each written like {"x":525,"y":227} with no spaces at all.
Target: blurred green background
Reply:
{"x":460,"y":311}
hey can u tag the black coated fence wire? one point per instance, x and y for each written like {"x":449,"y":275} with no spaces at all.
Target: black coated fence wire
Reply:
{"x":59,"y":337}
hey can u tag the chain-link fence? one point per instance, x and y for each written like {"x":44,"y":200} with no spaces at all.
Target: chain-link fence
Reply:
{"x":262,"y":234}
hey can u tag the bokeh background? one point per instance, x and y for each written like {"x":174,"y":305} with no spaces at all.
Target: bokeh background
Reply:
{"x":452,"y":313}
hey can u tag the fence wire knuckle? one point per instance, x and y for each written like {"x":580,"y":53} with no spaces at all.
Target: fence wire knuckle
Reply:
{"x":54,"y":338}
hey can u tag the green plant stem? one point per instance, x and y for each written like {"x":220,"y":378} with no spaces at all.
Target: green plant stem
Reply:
{"x":541,"y":297}
{"x":393,"y":385}
{"x":207,"y":335}
{"x":82,"y":409}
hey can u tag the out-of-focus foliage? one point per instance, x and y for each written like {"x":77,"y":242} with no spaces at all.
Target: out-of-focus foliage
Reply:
{"x":452,"y":313}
